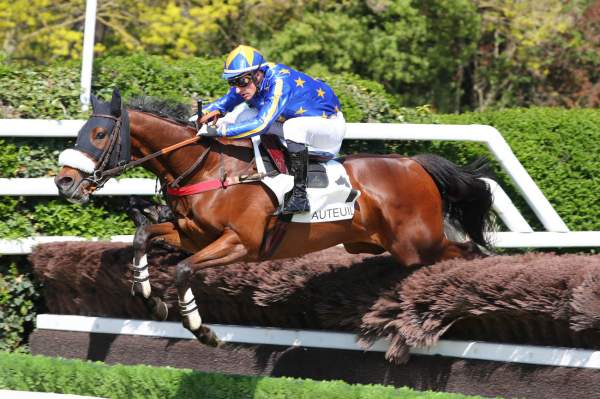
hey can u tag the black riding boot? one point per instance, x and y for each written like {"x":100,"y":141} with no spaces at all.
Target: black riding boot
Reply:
{"x":297,"y":202}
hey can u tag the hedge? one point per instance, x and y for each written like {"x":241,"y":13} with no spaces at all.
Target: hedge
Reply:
{"x":44,"y":374}
{"x":560,"y":149}
{"x":18,"y":297}
{"x":53,"y":92}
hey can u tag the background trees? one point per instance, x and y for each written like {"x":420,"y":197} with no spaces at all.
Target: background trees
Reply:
{"x":454,"y":54}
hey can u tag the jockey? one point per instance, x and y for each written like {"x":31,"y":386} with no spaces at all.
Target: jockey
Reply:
{"x":276,"y":99}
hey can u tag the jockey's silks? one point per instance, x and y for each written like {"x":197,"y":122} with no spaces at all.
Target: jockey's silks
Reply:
{"x":284,"y":93}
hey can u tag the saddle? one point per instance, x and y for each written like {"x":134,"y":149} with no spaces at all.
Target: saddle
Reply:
{"x":274,"y":159}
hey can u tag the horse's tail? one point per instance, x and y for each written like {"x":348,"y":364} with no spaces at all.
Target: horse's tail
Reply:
{"x":467,"y":198}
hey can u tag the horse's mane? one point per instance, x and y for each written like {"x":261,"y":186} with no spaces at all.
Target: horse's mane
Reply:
{"x":169,"y":109}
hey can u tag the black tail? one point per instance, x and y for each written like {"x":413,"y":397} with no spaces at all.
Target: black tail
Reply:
{"x":467,"y":198}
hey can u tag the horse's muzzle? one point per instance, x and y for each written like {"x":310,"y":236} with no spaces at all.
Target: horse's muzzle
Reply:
{"x":71,"y":190}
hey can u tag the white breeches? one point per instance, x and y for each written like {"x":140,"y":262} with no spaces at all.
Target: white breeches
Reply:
{"x":320,"y":134}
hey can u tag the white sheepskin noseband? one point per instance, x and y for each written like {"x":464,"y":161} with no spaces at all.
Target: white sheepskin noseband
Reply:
{"x":76,"y":160}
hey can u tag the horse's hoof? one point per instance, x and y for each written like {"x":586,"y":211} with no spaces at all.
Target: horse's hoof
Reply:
{"x":206,"y":336}
{"x":160,"y":309}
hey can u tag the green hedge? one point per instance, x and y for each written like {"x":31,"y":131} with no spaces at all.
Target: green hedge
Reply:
{"x":17,"y":301}
{"x":53,"y":92}
{"x":43,"y":374}
{"x":559,"y":148}
{"x":561,"y":151}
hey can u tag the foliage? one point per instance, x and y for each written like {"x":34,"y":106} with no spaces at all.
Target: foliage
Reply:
{"x":161,"y":77}
{"x":45,"y":374}
{"x":559,"y":148}
{"x":363,"y":100}
{"x":25,"y":157}
{"x":17,"y":296}
{"x":40,"y":92}
{"x":58,"y":218}
{"x":15,"y":222}
{"x":52,"y":31}
{"x":38,"y":216}
{"x":413,"y":47}
{"x":48,"y":92}
{"x":528,"y":51}
{"x":174,"y":28}
{"x":453,"y":54}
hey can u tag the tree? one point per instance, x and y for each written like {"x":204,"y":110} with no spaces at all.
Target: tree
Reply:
{"x":53,"y":30}
{"x":521,"y":44}
{"x":417,"y":49}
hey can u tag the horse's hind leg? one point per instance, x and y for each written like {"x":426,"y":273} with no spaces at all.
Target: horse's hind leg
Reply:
{"x":141,"y":277}
{"x":226,"y":249}
{"x":413,"y":242}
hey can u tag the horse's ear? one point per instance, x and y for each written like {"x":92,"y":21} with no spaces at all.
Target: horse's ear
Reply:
{"x":115,"y":103}
{"x":94,"y":101}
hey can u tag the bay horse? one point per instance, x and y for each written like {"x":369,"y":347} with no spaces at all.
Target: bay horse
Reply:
{"x":402,"y":207}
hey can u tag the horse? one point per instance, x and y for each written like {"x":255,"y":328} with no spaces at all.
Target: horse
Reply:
{"x":402,"y":209}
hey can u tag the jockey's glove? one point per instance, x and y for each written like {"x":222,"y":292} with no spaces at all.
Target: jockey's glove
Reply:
{"x":209,"y":131}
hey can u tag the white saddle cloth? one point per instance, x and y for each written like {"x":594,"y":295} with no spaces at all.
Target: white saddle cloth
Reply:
{"x":326,"y":204}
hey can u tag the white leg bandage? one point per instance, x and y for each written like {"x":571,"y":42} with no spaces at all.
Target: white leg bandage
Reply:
{"x":189,"y":310}
{"x":141,"y":276}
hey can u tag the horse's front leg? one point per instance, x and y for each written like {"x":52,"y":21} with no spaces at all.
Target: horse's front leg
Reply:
{"x":228,"y":248}
{"x":141,"y":277}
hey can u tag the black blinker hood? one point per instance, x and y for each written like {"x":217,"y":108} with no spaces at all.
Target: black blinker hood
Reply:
{"x":121,"y":152}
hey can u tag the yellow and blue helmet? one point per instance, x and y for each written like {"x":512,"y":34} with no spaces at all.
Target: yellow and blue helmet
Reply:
{"x":241,"y":60}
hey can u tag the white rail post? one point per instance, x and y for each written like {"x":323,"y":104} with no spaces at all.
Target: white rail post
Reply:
{"x":87,"y":57}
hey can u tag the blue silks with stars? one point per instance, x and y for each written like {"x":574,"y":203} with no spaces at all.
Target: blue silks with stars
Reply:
{"x":284,"y":93}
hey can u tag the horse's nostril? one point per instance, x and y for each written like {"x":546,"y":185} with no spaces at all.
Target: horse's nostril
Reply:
{"x":64,"y":182}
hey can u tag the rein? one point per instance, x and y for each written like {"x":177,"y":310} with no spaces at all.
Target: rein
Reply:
{"x":119,"y":169}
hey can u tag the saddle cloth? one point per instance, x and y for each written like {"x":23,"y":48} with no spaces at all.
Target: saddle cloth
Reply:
{"x":331,"y":196}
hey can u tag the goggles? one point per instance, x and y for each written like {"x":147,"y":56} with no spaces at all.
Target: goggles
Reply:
{"x":240,"y":81}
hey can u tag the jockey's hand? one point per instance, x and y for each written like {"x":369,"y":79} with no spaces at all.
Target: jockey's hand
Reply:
{"x":209,"y":117}
{"x":209,"y":131}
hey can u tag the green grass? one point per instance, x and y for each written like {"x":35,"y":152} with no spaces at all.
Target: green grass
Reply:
{"x":45,"y":374}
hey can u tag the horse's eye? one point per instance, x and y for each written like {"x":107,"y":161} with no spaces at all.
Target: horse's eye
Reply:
{"x":100,"y":135}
